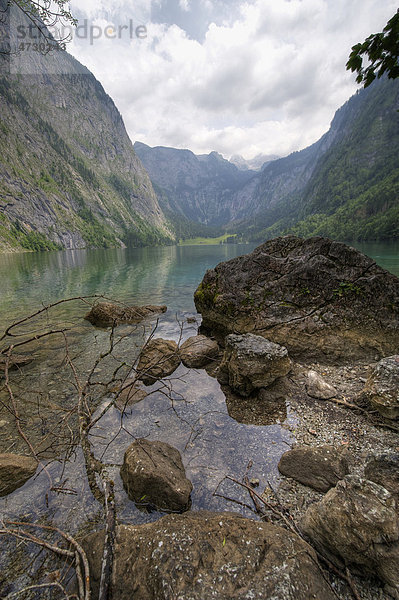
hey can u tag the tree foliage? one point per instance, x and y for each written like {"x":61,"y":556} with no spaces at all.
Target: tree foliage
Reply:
{"x":47,"y":17}
{"x":48,"y":11}
{"x":381,"y":50}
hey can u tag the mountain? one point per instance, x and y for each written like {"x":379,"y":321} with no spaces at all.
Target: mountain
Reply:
{"x":69,"y":176}
{"x":255,"y":164}
{"x":345,"y":186}
{"x":197,"y":187}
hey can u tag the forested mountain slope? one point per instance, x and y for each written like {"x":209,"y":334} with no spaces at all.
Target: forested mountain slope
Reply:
{"x":345,"y":186}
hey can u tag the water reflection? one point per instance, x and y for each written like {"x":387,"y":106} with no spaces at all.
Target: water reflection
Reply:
{"x":139,"y":275}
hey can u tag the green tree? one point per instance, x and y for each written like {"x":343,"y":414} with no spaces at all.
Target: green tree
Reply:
{"x":381,"y":50}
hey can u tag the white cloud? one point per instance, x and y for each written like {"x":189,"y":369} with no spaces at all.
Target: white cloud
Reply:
{"x":184,"y":4}
{"x":270,"y":81}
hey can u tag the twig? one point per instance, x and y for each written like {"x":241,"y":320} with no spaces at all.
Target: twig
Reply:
{"x":108,"y":554}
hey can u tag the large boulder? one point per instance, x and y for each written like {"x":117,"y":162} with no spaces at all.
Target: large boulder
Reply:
{"x":108,"y":314}
{"x":384,"y":470}
{"x":251,"y":362}
{"x":205,"y":555}
{"x":153,"y":475}
{"x":319,"y":298}
{"x":319,"y":468}
{"x":15,"y":470}
{"x":382,"y":387}
{"x":159,"y":358}
{"x":356,"y":524}
{"x":198,"y":351}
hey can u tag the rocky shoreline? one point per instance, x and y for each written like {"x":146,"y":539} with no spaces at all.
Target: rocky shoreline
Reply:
{"x":313,"y":325}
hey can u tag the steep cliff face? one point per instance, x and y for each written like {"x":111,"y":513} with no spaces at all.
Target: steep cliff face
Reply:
{"x":69,"y":176}
{"x":200,"y":187}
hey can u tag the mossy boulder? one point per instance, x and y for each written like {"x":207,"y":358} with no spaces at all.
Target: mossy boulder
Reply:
{"x":319,"y":298}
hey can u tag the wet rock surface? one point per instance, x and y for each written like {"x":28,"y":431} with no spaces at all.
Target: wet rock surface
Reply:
{"x":153,"y":475}
{"x":320,"y":468}
{"x":128,"y":394}
{"x":382,"y":387}
{"x":198,"y":351}
{"x":357,"y":525}
{"x":251,"y":362}
{"x":15,"y":470}
{"x":204,"y":555}
{"x":107,"y":314}
{"x":159,"y":358}
{"x":319,"y":298}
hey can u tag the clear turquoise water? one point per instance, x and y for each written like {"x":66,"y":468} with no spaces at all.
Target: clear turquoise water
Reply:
{"x":145,"y":275}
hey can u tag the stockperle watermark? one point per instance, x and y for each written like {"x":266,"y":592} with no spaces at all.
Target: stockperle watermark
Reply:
{"x":86,"y":30}
{"x":35,"y":45}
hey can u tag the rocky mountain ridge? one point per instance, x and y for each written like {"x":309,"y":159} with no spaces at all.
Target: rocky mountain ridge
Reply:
{"x":352,"y":170}
{"x":199,"y":187}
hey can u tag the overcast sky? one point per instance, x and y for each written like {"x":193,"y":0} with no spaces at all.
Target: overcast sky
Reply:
{"x":260,"y":76}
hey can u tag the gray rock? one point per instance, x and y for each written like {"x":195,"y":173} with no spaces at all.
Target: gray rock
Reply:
{"x":319,"y":468}
{"x":384,"y":470}
{"x":107,"y":314}
{"x":251,"y":362}
{"x":316,"y":387}
{"x":198,"y":351}
{"x":159,"y":358}
{"x":356,"y":523}
{"x":382,"y":387}
{"x":321,"y":299}
{"x":153,"y":474}
{"x":15,"y":470}
{"x":208,"y":556}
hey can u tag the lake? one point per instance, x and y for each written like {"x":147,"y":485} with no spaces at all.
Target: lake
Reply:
{"x":194,"y":417}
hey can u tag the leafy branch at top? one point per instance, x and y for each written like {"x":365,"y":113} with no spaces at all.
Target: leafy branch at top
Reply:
{"x":382,"y":50}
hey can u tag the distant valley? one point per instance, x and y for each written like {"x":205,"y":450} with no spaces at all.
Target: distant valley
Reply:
{"x":346,"y":185}
{"x":70,"y":176}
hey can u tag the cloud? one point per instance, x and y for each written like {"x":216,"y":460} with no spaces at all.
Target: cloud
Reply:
{"x":266,"y":76}
{"x":184,"y":4}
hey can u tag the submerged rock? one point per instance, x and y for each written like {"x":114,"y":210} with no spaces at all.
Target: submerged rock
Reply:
{"x":107,"y":314}
{"x":204,"y":556}
{"x":159,"y":358}
{"x":382,"y":387}
{"x":316,"y":387}
{"x":266,"y":407}
{"x":319,"y":298}
{"x":15,"y":470}
{"x":251,"y":362}
{"x":128,"y":393}
{"x":356,"y":523}
{"x":319,"y":468}
{"x":153,"y":474}
{"x":198,"y":351}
